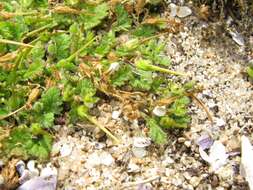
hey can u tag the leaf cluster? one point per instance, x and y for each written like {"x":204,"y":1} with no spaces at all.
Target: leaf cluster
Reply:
{"x":70,"y":53}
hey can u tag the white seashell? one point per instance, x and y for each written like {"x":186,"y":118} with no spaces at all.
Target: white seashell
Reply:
{"x":246,"y":161}
{"x":20,"y":167}
{"x":180,"y":11}
{"x":238,"y":38}
{"x":106,"y":159}
{"x":159,"y":111}
{"x":31,"y":167}
{"x":141,"y":142}
{"x":65,"y":150}
{"x":184,"y":11}
{"x":139,"y":152}
{"x":116,"y":114}
{"x":133,"y":168}
{"x":217,"y":156}
{"x":173,"y":10}
{"x":114,"y":67}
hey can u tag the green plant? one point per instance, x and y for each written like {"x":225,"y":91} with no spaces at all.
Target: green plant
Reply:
{"x":58,"y":61}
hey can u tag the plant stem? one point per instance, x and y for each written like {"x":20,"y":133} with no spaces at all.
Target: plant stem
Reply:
{"x":106,"y":131}
{"x":4,"y":41}
{"x":71,"y":57}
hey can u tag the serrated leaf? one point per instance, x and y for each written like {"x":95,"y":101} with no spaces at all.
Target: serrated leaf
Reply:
{"x":23,"y":143}
{"x":59,"y":46}
{"x":106,"y":44}
{"x":34,"y":69}
{"x":51,"y":100}
{"x":156,"y":133}
{"x":123,"y":22}
{"x":120,"y":77}
{"x":94,"y":15}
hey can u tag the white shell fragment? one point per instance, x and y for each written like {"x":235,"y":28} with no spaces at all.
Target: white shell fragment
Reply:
{"x":20,"y":167}
{"x":116,"y":114}
{"x":46,"y":181}
{"x":139,"y":152}
{"x":99,"y":158}
{"x":173,"y":10}
{"x":114,"y":67}
{"x":159,"y":111}
{"x":217,"y":156}
{"x":65,"y":150}
{"x":220,"y":122}
{"x":238,"y":38}
{"x":31,"y":167}
{"x":133,"y":168}
{"x":180,"y":11}
{"x":246,"y":161}
{"x":184,"y":11}
{"x":141,"y":142}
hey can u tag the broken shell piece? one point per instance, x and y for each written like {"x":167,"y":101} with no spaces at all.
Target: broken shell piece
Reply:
{"x":246,"y":168}
{"x":99,"y":158}
{"x":159,"y":111}
{"x":180,"y":11}
{"x":133,"y":168}
{"x":184,"y":12}
{"x":116,"y":114}
{"x":139,"y":152}
{"x":65,"y":150}
{"x":114,"y":67}
{"x":26,"y":175}
{"x":220,"y":122}
{"x":48,"y":171}
{"x":31,"y":167}
{"x":20,"y":167}
{"x":106,"y":159}
{"x":173,"y":10}
{"x":205,"y":142}
{"x":237,"y":37}
{"x":39,"y":183}
{"x":141,"y":142}
{"x":217,"y":156}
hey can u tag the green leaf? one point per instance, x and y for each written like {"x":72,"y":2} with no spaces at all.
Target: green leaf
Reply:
{"x":153,"y":51}
{"x":59,"y":47}
{"x":120,"y":77}
{"x":87,"y":91}
{"x":145,"y":30}
{"x":123,"y":22}
{"x":24,"y":143}
{"x":106,"y":44}
{"x":144,"y":80}
{"x":250,"y":72}
{"x":47,"y":107}
{"x":34,"y":69}
{"x":93,"y":15}
{"x":51,"y":100}
{"x":156,"y":133}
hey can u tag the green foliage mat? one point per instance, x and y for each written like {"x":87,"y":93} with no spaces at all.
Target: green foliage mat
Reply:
{"x":56,"y":60}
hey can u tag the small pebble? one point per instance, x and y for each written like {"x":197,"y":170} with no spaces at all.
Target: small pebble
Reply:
{"x":194,"y":181}
{"x":187,"y":143}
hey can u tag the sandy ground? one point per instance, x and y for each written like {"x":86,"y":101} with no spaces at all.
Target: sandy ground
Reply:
{"x":217,"y":63}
